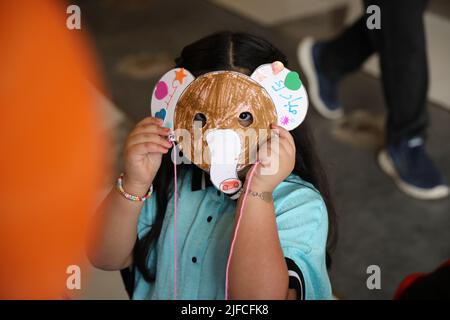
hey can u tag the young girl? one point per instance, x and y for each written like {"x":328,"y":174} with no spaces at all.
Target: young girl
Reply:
{"x":280,"y":250}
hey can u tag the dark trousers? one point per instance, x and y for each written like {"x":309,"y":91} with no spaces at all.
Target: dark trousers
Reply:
{"x":401,"y":46}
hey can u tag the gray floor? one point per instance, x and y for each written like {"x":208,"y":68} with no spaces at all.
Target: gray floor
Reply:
{"x":378,"y":225}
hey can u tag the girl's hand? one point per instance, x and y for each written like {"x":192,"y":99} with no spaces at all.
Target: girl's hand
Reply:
{"x":276,"y":163}
{"x":143,"y":152}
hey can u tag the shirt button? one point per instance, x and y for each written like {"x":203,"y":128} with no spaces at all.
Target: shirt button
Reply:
{"x":209,"y":219}
{"x":194,"y":259}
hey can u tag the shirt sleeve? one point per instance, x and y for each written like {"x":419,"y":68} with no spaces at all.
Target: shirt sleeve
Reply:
{"x":147,"y":216}
{"x":145,"y":222}
{"x":302,"y":223}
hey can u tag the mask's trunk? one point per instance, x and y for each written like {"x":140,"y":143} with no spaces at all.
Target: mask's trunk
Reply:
{"x":224,"y":147}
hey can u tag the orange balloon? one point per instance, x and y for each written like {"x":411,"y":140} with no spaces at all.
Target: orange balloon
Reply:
{"x":51,"y":149}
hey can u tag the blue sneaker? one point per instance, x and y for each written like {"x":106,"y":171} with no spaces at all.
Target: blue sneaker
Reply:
{"x":323,"y":92}
{"x":412,"y":170}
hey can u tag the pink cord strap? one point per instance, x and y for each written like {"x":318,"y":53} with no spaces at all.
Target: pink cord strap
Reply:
{"x":175,"y":183}
{"x":237,"y":228}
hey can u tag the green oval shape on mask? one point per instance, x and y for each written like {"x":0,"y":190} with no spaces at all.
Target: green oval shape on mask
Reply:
{"x":292,"y":81}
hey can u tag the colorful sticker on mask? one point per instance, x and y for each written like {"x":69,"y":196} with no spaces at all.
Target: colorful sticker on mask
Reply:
{"x":287,"y":92}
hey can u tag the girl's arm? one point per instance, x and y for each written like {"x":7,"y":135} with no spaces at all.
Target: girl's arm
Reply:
{"x":114,"y":229}
{"x":258,"y":268}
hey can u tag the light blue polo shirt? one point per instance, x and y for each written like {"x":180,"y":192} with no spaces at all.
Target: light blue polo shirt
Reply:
{"x":205,"y":220}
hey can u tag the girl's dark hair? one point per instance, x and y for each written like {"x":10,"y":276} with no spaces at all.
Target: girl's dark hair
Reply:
{"x":244,"y":53}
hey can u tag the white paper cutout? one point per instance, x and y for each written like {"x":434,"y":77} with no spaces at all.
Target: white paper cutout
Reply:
{"x":287,"y":92}
{"x":167,"y":92}
{"x":225,"y":147}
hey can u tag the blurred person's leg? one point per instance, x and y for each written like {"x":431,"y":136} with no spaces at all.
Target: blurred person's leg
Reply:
{"x":347,"y":52}
{"x":325,"y":63}
{"x":401,"y":46}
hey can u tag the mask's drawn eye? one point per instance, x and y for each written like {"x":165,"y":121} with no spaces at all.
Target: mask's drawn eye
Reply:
{"x":245,"y":119}
{"x":200,"y":117}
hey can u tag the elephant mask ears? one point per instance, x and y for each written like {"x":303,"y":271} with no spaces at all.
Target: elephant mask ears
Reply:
{"x":167,"y":92}
{"x":286,"y":91}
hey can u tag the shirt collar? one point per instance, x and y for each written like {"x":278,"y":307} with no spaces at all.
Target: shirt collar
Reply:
{"x":200,"y":179}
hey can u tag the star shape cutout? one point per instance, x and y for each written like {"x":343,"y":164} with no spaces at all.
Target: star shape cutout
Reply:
{"x":180,"y":75}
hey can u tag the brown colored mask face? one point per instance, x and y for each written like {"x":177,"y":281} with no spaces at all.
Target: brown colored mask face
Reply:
{"x":223,"y":100}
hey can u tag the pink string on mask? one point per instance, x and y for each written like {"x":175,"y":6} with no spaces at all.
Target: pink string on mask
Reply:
{"x":175,"y":183}
{"x":237,"y":228}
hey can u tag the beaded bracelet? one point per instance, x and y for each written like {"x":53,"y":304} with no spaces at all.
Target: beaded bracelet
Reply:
{"x":131,"y":197}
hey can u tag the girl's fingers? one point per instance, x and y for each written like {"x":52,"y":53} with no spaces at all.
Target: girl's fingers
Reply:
{"x":286,"y":148}
{"x":284,"y":134}
{"x":148,"y":137}
{"x":267,"y":150}
{"x":285,"y":144}
{"x":277,"y":145}
{"x":150,"y":120}
{"x":150,"y":128}
{"x":147,"y":147}
{"x":263,"y":156}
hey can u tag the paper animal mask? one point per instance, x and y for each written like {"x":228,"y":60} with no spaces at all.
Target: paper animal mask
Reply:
{"x":232,"y":113}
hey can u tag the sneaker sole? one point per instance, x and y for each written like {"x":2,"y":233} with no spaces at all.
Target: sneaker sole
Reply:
{"x":438,"y":192}
{"x":305,"y":59}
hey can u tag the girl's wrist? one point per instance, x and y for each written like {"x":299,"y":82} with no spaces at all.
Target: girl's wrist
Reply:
{"x":262,"y":195}
{"x":260,"y":185}
{"x":135,"y":188}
